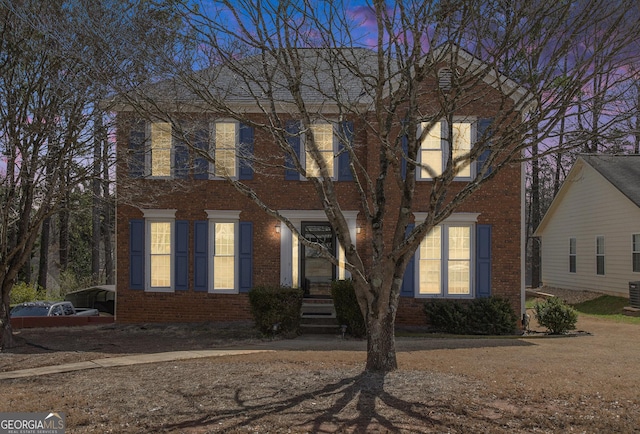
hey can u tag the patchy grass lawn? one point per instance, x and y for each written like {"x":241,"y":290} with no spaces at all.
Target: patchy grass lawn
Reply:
{"x":609,"y":307}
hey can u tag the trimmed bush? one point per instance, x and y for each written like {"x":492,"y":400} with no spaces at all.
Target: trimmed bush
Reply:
{"x":556,"y":316}
{"x":485,"y":316}
{"x":271,"y":305}
{"x":347,"y":307}
{"x":491,"y":316}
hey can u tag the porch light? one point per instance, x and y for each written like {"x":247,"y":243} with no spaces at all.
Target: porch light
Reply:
{"x":358,"y":229}
{"x":277,"y":228}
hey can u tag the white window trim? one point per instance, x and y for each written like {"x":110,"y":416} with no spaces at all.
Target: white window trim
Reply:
{"x":604,"y":261}
{"x":223,"y":216}
{"x":336,"y":144}
{"x":212,"y":147}
{"x":473,"y":121}
{"x":454,"y":220}
{"x":148,"y":155}
{"x":289,"y":259}
{"x":154,"y":216}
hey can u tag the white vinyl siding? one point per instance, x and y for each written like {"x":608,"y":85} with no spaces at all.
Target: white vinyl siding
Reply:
{"x":588,"y":206}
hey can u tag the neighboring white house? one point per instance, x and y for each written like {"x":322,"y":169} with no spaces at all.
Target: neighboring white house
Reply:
{"x":591,"y":233}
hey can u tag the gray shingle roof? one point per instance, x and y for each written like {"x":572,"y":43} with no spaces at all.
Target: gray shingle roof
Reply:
{"x":623,"y":171}
{"x":326,"y":75}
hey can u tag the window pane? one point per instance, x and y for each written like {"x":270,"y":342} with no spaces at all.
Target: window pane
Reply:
{"x":430,"y":264}
{"x":572,"y":264}
{"x":432,"y":140}
{"x":431,"y":160}
{"x":572,"y":246}
{"x":160,"y":270}
{"x":160,"y":238}
{"x":600,"y":245}
{"x":223,"y":272}
{"x":160,"y":149}
{"x":430,"y":277}
{"x":459,"y":277}
{"x":459,"y":242}
{"x":600,"y":265}
{"x":636,"y":262}
{"x":225,"y":148}
{"x":462,"y":146}
{"x":224,"y":239}
{"x":323,"y":136}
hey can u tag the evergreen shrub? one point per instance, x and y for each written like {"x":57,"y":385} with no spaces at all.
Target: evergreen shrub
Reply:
{"x":276,"y":305}
{"x":347,"y":308}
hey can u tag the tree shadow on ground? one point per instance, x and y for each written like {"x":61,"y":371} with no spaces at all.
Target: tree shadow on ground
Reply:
{"x":364,"y":395}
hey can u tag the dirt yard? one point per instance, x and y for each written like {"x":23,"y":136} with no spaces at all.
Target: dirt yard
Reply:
{"x":588,"y":383}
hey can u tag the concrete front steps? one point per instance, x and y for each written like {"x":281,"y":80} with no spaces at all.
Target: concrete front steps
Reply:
{"x":318,"y":316}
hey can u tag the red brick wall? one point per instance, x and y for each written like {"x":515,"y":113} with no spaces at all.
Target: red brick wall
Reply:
{"x":498,"y":203}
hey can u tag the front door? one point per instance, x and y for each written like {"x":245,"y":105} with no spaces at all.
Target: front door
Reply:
{"x":317,"y":272}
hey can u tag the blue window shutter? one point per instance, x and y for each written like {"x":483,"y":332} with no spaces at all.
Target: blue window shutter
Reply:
{"x":483,"y":128}
{"x":182,"y":255}
{"x":136,"y":149}
{"x":246,"y":256}
{"x":293,"y":129}
{"x":344,"y":160}
{"x":136,"y":254}
{"x":409,"y":280}
{"x":246,"y":142}
{"x":201,"y":164}
{"x":201,"y":255}
{"x":181,"y":159}
{"x":483,"y":260}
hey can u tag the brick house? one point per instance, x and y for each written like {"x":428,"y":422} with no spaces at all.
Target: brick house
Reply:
{"x":190,"y":246}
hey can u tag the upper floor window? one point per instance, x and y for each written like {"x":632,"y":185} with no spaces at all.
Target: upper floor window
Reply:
{"x":333,"y":140}
{"x":635,"y":255}
{"x":434,"y":148}
{"x":225,"y":143}
{"x":160,"y":144}
{"x":324,"y":139}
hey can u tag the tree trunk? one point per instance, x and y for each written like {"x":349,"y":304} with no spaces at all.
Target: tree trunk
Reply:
{"x":6,"y":331}
{"x":381,"y":344}
{"x":96,"y":206}
{"x":43,"y":265}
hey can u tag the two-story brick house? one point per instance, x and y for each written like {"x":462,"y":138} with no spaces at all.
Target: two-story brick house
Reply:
{"x":190,"y":245}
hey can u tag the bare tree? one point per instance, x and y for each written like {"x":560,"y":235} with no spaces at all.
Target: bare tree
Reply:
{"x":395,"y":54}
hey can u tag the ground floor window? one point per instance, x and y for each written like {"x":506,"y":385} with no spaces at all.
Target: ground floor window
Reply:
{"x":635,"y":255}
{"x":445,"y":261}
{"x":600,"y":255}
{"x":223,"y":239}
{"x":160,"y":248}
{"x":572,"y":255}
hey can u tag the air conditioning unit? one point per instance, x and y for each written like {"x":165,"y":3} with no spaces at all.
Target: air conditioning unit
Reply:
{"x":634,"y":294}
